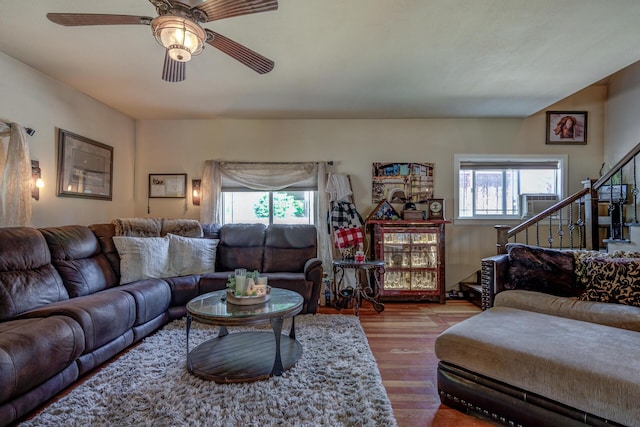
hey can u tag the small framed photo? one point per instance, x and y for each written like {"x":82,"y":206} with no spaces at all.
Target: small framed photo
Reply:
{"x":567,"y":127}
{"x":85,"y":167}
{"x":168,"y":185}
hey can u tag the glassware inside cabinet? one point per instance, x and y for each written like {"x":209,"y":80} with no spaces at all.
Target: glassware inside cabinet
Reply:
{"x":397,"y":238}
{"x":424,"y":238}
{"x":424,"y":280}
{"x":396,"y":259}
{"x":397,"y":280}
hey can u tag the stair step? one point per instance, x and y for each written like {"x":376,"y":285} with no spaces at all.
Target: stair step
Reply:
{"x":472,"y":291}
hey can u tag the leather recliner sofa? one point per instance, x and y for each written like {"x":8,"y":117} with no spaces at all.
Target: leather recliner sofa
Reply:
{"x":63,"y":311}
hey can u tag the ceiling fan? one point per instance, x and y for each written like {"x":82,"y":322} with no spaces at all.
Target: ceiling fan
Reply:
{"x":177,"y":28}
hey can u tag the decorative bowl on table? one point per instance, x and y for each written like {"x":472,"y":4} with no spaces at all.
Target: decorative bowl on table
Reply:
{"x":256,"y":297}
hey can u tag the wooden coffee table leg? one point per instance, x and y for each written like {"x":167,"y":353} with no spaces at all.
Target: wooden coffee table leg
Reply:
{"x":276,"y":324}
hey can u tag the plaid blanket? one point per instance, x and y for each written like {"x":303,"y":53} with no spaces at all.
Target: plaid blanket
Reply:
{"x":348,"y":237}
{"x":345,"y":215}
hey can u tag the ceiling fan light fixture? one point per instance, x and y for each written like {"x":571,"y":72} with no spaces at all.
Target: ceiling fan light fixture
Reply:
{"x":180,"y":36}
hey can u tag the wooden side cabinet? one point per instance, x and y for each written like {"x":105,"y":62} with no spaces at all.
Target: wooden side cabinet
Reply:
{"x":413,"y":252}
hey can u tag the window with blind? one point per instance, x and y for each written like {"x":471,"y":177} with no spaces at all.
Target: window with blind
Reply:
{"x":491,"y":186}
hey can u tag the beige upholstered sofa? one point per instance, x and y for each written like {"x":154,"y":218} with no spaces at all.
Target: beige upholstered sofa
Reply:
{"x":557,"y":345}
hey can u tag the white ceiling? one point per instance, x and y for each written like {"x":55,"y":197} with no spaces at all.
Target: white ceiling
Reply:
{"x":341,"y":58}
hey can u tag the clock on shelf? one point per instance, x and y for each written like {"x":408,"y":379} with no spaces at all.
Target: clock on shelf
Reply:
{"x":435,"y":209}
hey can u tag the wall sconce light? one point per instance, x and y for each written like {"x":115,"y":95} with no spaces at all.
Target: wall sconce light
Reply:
{"x":195,"y":188}
{"x":36,"y":179}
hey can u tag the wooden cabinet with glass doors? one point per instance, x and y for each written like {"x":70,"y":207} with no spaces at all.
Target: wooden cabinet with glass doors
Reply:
{"x":413,"y":252}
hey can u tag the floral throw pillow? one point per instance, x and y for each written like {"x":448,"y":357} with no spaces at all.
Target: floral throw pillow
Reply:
{"x":615,"y":280}
{"x":584,"y":258}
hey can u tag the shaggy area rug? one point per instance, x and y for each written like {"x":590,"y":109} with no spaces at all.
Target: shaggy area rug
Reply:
{"x":336,"y":382}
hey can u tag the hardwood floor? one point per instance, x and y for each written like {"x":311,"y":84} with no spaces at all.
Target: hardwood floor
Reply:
{"x":401,"y":338}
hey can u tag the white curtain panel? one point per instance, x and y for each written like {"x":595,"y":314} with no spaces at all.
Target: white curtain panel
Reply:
{"x":210,"y":194}
{"x":325,"y":241}
{"x":15,"y":178}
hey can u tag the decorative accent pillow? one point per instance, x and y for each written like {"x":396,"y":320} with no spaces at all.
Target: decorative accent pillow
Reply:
{"x":584,"y":258}
{"x":142,"y":257}
{"x":540,"y":269}
{"x":614,"y":280}
{"x":191,"y":255}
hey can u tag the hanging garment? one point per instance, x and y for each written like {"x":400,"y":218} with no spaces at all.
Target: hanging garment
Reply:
{"x":338,"y":187}
{"x":345,"y":215}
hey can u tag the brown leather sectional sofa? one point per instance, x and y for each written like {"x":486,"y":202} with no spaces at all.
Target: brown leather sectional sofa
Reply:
{"x":63,"y":312}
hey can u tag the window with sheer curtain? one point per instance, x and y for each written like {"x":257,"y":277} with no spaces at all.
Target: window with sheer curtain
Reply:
{"x":285,"y":193}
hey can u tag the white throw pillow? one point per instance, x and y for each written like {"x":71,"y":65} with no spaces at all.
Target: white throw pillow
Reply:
{"x":142,"y":258}
{"x":188,"y":255}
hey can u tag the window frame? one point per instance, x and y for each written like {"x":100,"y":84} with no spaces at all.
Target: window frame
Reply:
{"x":562,"y":159}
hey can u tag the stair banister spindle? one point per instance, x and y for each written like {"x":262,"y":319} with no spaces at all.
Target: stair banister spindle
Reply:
{"x":620,"y":181}
{"x":560,"y":230}
{"x":570,"y":225}
{"x":635,"y":192}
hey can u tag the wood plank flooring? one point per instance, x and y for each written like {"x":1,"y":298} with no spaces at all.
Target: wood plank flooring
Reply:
{"x":401,"y":338}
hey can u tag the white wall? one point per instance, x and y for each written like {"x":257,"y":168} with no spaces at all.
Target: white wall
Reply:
{"x":34,"y":100}
{"x":622,"y":127}
{"x":181,"y":146}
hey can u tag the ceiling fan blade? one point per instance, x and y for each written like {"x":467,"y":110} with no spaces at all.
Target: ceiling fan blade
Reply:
{"x":173,"y":71}
{"x":78,"y":19}
{"x":221,"y":9}
{"x":248,"y":57}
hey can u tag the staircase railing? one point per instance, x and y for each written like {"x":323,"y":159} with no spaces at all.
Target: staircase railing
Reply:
{"x":573,"y":222}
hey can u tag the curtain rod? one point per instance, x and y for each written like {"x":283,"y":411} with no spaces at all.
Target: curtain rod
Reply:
{"x":329,"y":162}
{"x":30,"y":131}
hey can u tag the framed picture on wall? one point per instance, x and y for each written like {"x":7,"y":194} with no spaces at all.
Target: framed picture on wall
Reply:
{"x":85,"y":167}
{"x":168,"y":185}
{"x":567,"y":127}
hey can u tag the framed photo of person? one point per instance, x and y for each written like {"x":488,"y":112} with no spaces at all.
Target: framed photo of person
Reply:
{"x":567,"y":127}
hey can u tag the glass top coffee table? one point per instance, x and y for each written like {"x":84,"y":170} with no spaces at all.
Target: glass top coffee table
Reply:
{"x":244,"y":356}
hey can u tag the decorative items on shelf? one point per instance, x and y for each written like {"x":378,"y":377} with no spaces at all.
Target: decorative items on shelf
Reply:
{"x":435,"y":209}
{"x":432,"y":209}
{"x":384,"y":211}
